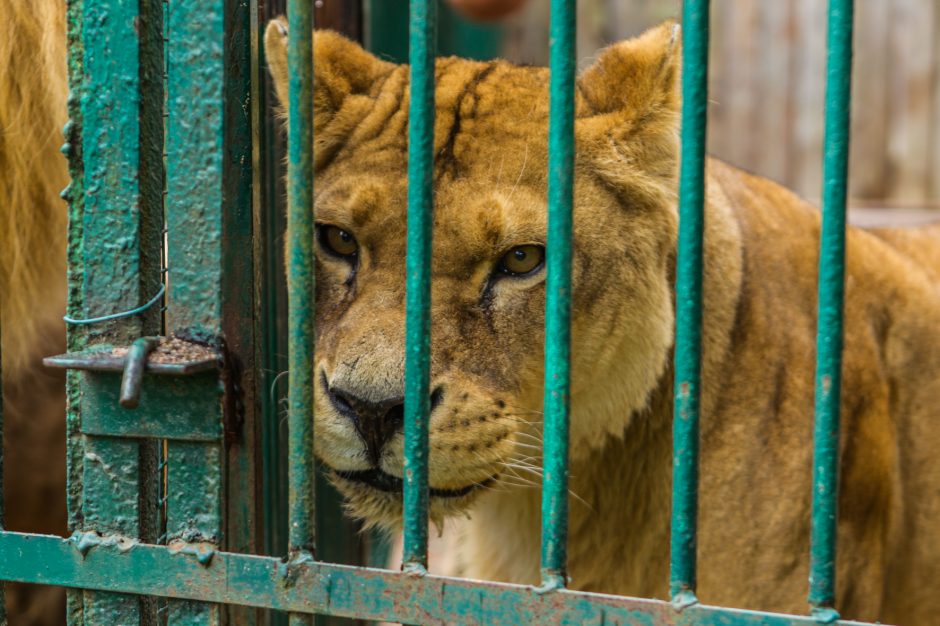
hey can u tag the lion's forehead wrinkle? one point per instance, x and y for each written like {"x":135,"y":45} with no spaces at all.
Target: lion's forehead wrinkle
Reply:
{"x":466,"y":101}
{"x":382,"y":116}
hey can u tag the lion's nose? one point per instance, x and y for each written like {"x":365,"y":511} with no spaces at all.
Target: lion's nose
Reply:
{"x":375,"y":421}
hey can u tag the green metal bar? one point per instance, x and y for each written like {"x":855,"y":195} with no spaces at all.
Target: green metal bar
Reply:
{"x":341,"y":590}
{"x":183,"y":408}
{"x":194,"y":516}
{"x":111,"y":507}
{"x":270,"y":229}
{"x":120,"y":163}
{"x":422,"y":28}
{"x":829,"y":318}
{"x":339,"y":537}
{"x":192,"y":470}
{"x":113,"y":146}
{"x":209,"y":234}
{"x":75,"y":337}
{"x":300,"y":285}
{"x":558,"y":293}
{"x":241,"y":462}
{"x":695,"y":14}
{"x":195,"y":165}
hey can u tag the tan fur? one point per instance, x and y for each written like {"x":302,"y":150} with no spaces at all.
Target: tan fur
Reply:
{"x":33,"y":90}
{"x":760,"y":275}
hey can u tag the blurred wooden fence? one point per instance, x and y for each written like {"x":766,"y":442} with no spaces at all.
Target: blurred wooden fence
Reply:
{"x":768,"y":85}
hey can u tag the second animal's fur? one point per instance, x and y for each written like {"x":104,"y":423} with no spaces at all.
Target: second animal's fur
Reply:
{"x":33,"y":91}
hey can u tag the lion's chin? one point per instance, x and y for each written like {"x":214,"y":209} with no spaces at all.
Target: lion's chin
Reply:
{"x":375,"y":498}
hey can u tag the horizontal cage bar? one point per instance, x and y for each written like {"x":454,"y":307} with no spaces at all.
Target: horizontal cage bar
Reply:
{"x":341,"y":590}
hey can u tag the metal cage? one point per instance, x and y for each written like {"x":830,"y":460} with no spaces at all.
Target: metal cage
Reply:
{"x":157,"y":533}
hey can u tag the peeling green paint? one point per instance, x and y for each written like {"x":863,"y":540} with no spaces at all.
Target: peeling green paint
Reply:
{"x":194,"y":517}
{"x":120,"y":207}
{"x":300,"y":285}
{"x":195,"y":134}
{"x":341,"y":590}
{"x":114,"y":148}
{"x":177,"y":408}
{"x":110,"y":504}
{"x":209,"y":239}
{"x":194,"y":491}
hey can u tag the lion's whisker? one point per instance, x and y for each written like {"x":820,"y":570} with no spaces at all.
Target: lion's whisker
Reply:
{"x":519,"y":480}
{"x":523,"y":409}
{"x":521,"y":420}
{"x":532,"y":437}
{"x":526,"y":459}
{"x":527,"y":445}
{"x":525,"y":466}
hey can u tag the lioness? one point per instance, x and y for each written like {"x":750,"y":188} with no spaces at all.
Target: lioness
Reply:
{"x":487,"y":333}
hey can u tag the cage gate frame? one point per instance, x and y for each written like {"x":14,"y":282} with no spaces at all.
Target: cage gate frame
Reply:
{"x":136,"y":554}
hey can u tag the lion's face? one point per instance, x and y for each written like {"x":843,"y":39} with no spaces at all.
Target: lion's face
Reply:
{"x":488,"y":275}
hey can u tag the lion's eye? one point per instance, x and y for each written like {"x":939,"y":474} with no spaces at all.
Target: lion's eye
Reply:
{"x":337,"y":241}
{"x":522,"y":260}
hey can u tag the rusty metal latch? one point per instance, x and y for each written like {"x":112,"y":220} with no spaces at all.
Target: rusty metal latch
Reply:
{"x":134,"y":367}
{"x":156,"y":355}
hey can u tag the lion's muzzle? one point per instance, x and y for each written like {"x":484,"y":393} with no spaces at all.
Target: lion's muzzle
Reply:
{"x":376,"y":420}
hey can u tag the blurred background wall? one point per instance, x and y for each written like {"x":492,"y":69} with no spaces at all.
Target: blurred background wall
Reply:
{"x":768,"y":85}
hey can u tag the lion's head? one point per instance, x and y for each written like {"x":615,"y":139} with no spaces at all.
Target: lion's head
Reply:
{"x":488,"y":279}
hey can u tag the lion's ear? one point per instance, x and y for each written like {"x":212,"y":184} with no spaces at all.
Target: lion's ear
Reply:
{"x":341,"y":69}
{"x":635,"y":81}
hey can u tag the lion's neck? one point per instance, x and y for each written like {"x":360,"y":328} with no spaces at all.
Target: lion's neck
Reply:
{"x":622,"y":490}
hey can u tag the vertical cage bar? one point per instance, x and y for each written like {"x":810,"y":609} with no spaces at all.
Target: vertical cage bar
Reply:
{"x":300,"y":285}
{"x":271,"y":215}
{"x":829,"y":317}
{"x":695,"y":14}
{"x":75,"y":338}
{"x":422,"y":28}
{"x":194,"y":516}
{"x":210,"y":485}
{"x":120,"y":148}
{"x":558,"y":292}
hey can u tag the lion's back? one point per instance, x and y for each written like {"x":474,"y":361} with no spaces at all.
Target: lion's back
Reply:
{"x":920,"y":244}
